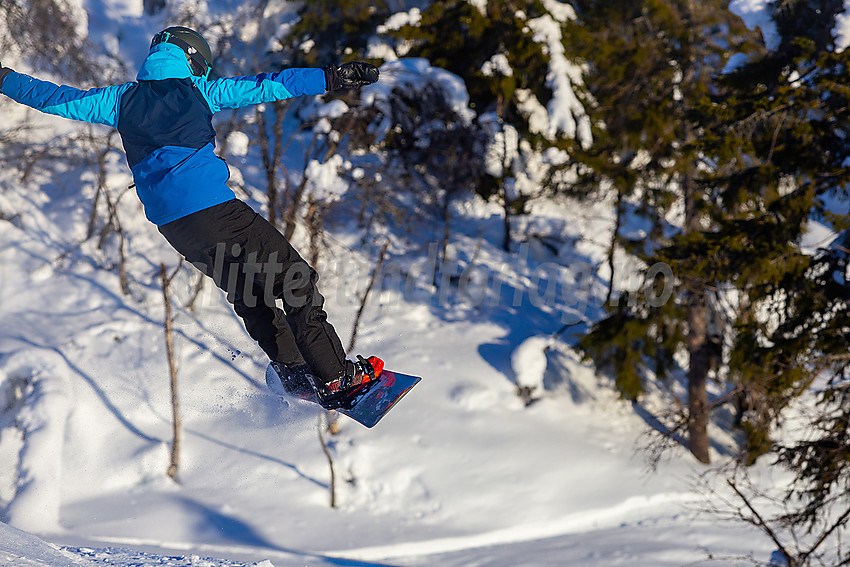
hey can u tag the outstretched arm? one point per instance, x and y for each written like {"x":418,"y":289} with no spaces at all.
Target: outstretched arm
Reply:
{"x":236,"y":92}
{"x":98,"y":106}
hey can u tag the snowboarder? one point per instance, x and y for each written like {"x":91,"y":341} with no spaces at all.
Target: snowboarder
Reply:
{"x":165,"y":122}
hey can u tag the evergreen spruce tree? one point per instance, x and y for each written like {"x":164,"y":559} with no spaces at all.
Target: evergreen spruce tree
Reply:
{"x":333,"y":31}
{"x":500,"y":51}
{"x":785,"y":132}
{"x":457,"y":36}
{"x":780,"y":145}
{"x":652,"y":64}
{"x":772,"y":138}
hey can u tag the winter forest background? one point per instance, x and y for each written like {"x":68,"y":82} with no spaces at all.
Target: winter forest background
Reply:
{"x":611,"y":236}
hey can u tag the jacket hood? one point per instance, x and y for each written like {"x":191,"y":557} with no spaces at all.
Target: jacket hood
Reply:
{"x":165,"y":61}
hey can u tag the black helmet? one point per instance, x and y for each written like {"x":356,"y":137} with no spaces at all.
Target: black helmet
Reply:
{"x":193,"y":43}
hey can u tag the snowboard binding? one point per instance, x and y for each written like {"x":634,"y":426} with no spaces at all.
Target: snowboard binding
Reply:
{"x":294,"y":379}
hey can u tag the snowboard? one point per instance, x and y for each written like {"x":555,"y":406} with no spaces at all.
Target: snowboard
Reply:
{"x":369,"y":407}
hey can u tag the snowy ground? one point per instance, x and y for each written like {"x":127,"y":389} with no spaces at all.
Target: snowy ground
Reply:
{"x":461,"y":473}
{"x":662,"y":543}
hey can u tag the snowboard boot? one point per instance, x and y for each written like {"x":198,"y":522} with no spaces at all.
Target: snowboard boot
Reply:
{"x":295,"y":379}
{"x":346,"y":391}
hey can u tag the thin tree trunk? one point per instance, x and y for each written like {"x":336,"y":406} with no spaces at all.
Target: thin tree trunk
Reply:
{"x":93,"y":214}
{"x":172,"y":371}
{"x":116,"y":226}
{"x":270,"y":145}
{"x":506,"y":240}
{"x":328,"y":455}
{"x":697,"y":376}
{"x":444,"y":246}
{"x":362,"y":308}
{"x":697,"y":341}
{"x":291,"y":213}
{"x":314,"y":227}
{"x":613,"y":248}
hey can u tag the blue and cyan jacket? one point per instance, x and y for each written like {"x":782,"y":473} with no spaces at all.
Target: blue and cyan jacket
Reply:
{"x":165,"y":122}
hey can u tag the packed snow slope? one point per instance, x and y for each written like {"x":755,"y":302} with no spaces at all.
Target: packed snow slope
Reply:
{"x":660,"y":544}
{"x":461,"y":470}
{"x":462,"y":473}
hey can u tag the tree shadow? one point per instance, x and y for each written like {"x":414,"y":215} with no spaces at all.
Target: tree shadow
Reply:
{"x":294,"y":468}
{"x":220,"y":527}
{"x":95,"y":388}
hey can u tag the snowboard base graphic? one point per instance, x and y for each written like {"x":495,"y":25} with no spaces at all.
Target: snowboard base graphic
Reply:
{"x":368,"y":409}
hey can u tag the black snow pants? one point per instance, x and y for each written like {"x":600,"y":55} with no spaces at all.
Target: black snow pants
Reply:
{"x":255,"y":265}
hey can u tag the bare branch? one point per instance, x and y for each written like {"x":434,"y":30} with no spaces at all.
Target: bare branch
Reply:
{"x":372,"y":280}
{"x":762,"y":524}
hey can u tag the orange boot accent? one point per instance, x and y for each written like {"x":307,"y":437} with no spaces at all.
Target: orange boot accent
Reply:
{"x":377,"y":365}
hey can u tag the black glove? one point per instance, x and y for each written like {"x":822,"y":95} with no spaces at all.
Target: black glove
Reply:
{"x":350,"y":75}
{"x":3,"y":72}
